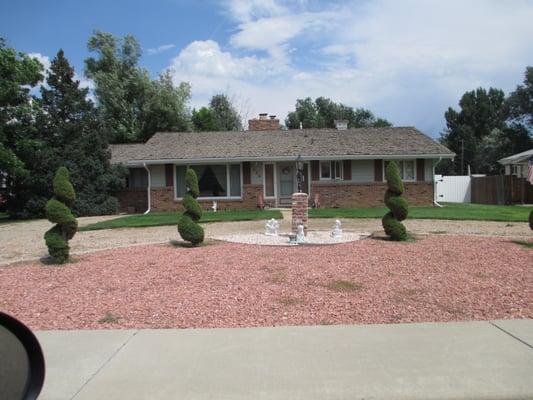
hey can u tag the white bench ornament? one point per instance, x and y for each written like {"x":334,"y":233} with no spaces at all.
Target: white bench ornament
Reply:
{"x":336,"y":233}
{"x":271,"y":227}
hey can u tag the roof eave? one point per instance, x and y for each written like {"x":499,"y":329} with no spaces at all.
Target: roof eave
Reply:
{"x":288,"y":158}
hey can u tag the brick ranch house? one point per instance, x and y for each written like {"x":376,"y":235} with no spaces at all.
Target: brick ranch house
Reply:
{"x":343,"y":167}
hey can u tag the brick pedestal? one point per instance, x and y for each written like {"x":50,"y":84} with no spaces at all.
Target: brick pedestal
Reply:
{"x":300,"y":203}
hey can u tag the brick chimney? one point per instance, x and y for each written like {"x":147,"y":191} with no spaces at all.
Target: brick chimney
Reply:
{"x":264,"y":123}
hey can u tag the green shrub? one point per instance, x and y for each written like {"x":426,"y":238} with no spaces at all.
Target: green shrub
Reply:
{"x":58,"y":212}
{"x":397,"y":205}
{"x":188,"y":226}
{"x":531,"y":219}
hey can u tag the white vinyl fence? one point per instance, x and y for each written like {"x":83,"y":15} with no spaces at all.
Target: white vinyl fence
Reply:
{"x":453,"y":189}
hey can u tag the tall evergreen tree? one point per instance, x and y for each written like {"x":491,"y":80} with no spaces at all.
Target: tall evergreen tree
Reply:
{"x":73,"y":137}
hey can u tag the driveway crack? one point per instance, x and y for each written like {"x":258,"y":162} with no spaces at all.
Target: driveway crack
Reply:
{"x":510,"y":334}
{"x":104,"y":364}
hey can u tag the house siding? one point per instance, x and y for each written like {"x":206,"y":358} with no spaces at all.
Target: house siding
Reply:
{"x":163,"y":200}
{"x":132,"y":200}
{"x":370,"y":194}
{"x":361,"y":190}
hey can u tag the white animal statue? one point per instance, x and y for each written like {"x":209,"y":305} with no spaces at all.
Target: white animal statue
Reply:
{"x":272,"y":227}
{"x":300,"y":234}
{"x":214,"y":206}
{"x":336,"y":233}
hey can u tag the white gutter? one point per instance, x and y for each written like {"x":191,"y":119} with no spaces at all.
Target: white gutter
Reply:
{"x":287,"y":158}
{"x":149,"y":188}
{"x":435,"y":202}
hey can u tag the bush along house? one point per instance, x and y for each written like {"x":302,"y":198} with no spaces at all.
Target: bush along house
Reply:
{"x":244,"y":170}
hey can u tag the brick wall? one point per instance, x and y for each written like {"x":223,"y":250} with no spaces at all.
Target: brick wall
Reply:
{"x":163,"y":200}
{"x":348,"y":194}
{"x":299,"y":211}
{"x":135,"y":200}
{"x":263,"y":124}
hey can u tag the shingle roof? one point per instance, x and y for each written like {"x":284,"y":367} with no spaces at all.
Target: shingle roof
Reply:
{"x":517,"y":158}
{"x":280,"y":144}
{"x":122,"y":153}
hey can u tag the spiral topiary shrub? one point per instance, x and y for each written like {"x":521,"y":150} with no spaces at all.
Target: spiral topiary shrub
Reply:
{"x":396,"y":204}
{"x":188,"y":226}
{"x":58,"y":212}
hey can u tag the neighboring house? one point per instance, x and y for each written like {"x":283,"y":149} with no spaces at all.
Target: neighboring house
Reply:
{"x":517,"y":164}
{"x":343,"y":167}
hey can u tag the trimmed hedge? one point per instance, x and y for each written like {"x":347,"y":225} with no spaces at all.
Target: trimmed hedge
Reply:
{"x":397,"y":205}
{"x":188,"y":226}
{"x":531,"y":219}
{"x":58,"y":212}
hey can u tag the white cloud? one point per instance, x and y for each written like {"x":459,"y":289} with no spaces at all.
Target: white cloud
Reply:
{"x":407,"y":61}
{"x":159,"y":49}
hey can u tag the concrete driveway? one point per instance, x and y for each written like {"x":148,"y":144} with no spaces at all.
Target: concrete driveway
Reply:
{"x":466,"y":360}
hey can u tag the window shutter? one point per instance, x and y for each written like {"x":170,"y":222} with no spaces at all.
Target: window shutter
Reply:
{"x":246,"y":175}
{"x":347,"y":170}
{"x":420,"y":169}
{"x":378,"y":170}
{"x":315,"y":170}
{"x":169,"y":175}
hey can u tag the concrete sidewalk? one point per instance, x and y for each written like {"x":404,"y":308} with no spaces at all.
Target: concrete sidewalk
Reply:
{"x":463,"y":360}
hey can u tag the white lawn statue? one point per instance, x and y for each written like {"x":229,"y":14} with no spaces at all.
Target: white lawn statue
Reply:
{"x":271,"y":227}
{"x":214,"y":206}
{"x":300,"y":235}
{"x":336,"y":233}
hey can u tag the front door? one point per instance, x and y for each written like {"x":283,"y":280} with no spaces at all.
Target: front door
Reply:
{"x":286,"y":180}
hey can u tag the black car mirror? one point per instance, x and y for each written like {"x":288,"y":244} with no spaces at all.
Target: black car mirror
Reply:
{"x":21,"y":361}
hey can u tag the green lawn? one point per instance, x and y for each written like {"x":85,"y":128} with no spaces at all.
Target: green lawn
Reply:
{"x":171,"y":218}
{"x":449,"y":211}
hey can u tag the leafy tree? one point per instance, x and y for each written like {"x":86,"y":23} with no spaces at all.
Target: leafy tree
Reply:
{"x":221,"y":115}
{"x":520,"y":102}
{"x":204,"y":120}
{"x":165,"y":108}
{"x":227,"y":117}
{"x":18,"y":136}
{"x":396,"y":204}
{"x":487,"y":128}
{"x":131,"y":105}
{"x":58,"y":212}
{"x":322,"y":113}
{"x":188,"y":226}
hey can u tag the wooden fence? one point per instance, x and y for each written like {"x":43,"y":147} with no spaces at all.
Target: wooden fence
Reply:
{"x":501,"y":189}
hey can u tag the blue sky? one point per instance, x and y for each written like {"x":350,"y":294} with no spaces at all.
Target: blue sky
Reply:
{"x":406,"y":61}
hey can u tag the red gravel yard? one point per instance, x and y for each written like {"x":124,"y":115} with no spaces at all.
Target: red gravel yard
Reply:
{"x":437,"y":278}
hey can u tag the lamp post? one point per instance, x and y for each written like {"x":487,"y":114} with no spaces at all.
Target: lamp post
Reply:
{"x":299,"y":172}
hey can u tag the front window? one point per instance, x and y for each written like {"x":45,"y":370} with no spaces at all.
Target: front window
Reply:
{"x":137,"y":178}
{"x":407,"y":169}
{"x":330,"y":170}
{"x":325,"y":169}
{"x":214,"y":180}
